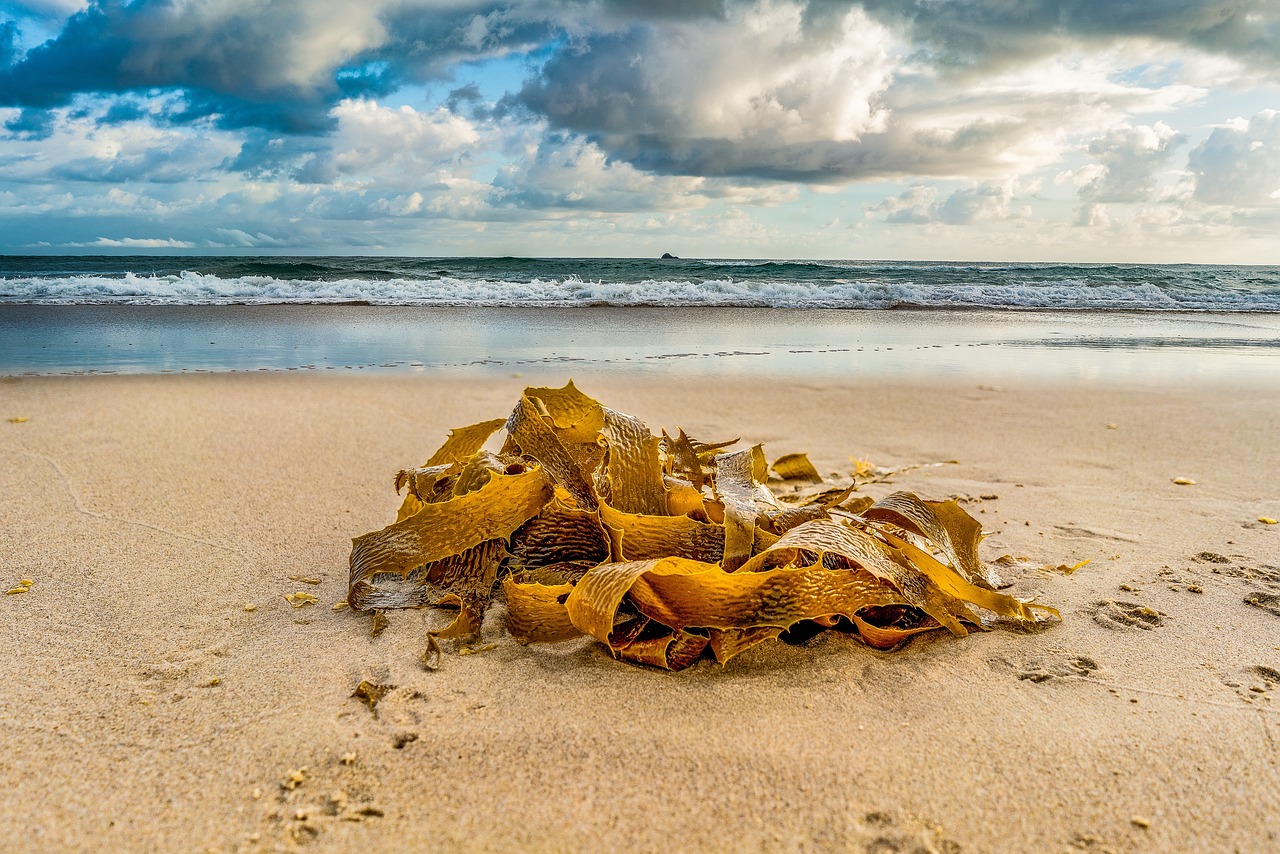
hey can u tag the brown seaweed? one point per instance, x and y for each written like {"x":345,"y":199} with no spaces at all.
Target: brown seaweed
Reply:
{"x":665,"y":549}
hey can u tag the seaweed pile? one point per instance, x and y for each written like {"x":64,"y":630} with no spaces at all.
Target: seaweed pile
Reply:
{"x":666,"y":549}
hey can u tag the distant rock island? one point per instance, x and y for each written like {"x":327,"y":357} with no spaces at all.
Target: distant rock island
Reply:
{"x":667,"y":256}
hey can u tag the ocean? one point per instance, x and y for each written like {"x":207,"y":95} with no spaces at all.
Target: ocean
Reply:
{"x":740,"y":318}
{"x":568,"y":282}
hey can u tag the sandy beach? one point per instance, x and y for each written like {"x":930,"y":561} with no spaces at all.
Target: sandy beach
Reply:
{"x":161,"y":694}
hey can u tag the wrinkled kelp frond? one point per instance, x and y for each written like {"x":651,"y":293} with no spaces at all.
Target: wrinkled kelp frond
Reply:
{"x":667,"y":549}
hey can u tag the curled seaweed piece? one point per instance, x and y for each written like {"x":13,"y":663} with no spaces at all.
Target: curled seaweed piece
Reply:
{"x":461,"y":444}
{"x":796,"y":467}
{"x":666,"y":550}
{"x":633,"y":476}
{"x":442,"y":536}
{"x":735,"y":488}
{"x":532,"y":437}
{"x":954,"y":532}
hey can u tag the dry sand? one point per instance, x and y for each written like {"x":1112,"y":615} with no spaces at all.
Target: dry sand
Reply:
{"x":145,"y":708}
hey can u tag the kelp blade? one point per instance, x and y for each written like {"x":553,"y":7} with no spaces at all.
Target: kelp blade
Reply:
{"x":796,"y":467}
{"x":735,"y":488}
{"x":945,"y":524}
{"x":448,"y":528}
{"x":536,"y":612}
{"x":534,"y":439}
{"x":743,"y":608}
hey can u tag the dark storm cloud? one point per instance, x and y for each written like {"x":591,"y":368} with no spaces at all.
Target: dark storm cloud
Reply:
{"x":968,"y":33}
{"x":875,"y":155}
{"x":8,"y":43}
{"x":122,"y":111}
{"x":279,"y":65}
{"x":31,"y":124}
{"x":282,"y":65}
{"x":267,"y":157}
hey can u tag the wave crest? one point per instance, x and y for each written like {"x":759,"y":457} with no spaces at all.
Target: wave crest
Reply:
{"x":1070,"y":291}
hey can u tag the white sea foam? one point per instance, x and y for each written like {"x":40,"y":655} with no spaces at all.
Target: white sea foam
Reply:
{"x":837,"y":293}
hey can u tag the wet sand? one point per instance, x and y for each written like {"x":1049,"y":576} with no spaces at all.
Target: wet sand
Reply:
{"x":160,"y":690}
{"x":490,"y":343}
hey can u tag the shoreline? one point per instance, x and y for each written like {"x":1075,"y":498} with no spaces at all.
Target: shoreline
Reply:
{"x":148,"y":708}
{"x":1047,"y":344}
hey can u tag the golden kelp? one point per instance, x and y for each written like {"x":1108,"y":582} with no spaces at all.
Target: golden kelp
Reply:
{"x":667,"y":549}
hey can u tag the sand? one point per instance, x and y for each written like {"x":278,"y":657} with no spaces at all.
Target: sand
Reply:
{"x":146,"y":707}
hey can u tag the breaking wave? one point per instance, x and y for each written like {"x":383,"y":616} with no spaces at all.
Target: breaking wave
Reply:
{"x":579,"y":282}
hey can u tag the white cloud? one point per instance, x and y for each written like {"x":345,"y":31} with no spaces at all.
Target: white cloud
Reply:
{"x":1130,"y":158}
{"x":817,"y":84}
{"x":773,"y":90}
{"x":138,"y":243}
{"x":1239,"y":164}
{"x":919,"y":205}
{"x":571,"y":173}
{"x":915,"y":205}
{"x":373,"y":139}
{"x":79,"y":148}
{"x":1128,"y":164}
{"x":235,"y":237}
{"x":762,"y":81}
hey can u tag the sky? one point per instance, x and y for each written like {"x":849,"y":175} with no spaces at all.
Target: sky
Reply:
{"x":1007,"y":130}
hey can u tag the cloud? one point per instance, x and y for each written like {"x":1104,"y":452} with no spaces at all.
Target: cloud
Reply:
{"x":1239,"y":164}
{"x":1128,"y":162}
{"x":371,"y":138}
{"x":57,"y":10}
{"x":695,"y":97}
{"x":30,"y":124}
{"x":824,"y":94}
{"x":268,"y":64}
{"x":239,"y":124}
{"x":74,"y":146}
{"x":400,"y":144}
{"x":278,"y":65}
{"x":819,"y":91}
{"x":965,"y":206}
{"x":8,"y":43}
{"x":240,"y":239}
{"x":566,"y":172}
{"x":919,"y":205}
{"x":1130,"y":158}
{"x":138,"y":243}
{"x":971,"y":36}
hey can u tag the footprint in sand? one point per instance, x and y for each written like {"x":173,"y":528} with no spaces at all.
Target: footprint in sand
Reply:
{"x":1178,"y":581}
{"x":1268,"y":602}
{"x":1055,"y":669}
{"x":312,"y":798}
{"x":885,"y":833}
{"x":1253,"y":682}
{"x":1122,"y":616}
{"x":1269,"y":676}
{"x":1091,"y":843}
{"x":1237,"y":566}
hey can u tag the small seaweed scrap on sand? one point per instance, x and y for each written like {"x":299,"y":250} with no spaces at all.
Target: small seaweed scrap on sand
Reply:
{"x":666,"y":550}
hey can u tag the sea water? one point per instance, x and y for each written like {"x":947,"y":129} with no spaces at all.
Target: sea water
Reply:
{"x":576,"y":282}
{"x":147,"y":314}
